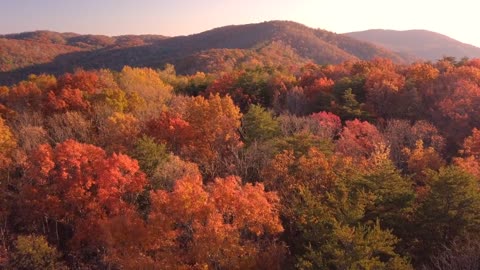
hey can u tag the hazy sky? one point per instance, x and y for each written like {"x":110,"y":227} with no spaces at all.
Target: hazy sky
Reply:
{"x":457,"y":19}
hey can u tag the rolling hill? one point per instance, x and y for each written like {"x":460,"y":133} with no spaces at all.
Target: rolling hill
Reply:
{"x":41,"y":47}
{"x":421,"y":44}
{"x":275,"y":42}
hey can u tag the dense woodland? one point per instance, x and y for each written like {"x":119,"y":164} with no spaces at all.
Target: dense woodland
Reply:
{"x":360,"y":165}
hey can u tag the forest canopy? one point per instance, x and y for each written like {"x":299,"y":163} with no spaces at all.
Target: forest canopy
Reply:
{"x":359,"y":165}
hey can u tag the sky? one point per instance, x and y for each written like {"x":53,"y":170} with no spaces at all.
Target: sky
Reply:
{"x":457,"y":19}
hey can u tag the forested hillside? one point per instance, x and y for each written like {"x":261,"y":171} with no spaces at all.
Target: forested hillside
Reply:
{"x":276,"y":42}
{"x":34,"y":48}
{"x":357,"y":165}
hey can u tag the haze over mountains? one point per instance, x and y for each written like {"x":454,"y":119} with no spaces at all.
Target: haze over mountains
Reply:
{"x":421,"y":44}
{"x":270,"y":43}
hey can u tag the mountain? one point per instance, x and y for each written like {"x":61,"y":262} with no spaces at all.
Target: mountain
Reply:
{"x":40,"y":47}
{"x":269,"y":43}
{"x":421,"y":44}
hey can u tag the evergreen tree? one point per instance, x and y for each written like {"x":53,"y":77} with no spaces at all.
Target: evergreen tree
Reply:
{"x":258,"y":124}
{"x":450,"y":209}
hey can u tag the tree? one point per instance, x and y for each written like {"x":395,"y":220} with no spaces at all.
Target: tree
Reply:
{"x":382,"y":86}
{"x":450,"y":209}
{"x":197,"y":83}
{"x":108,"y":92}
{"x":350,"y":108}
{"x":460,"y":254}
{"x":421,"y":160}
{"x":299,"y":144}
{"x":421,"y":74}
{"x":30,"y":137}
{"x":362,"y":247}
{"x":214,"y":123}
{"x":149,"y":154}
{"x":420,"y":84}
{"x":303,"y":179}
{"x":85,"y":81}
{"x":28,"y":95}
{"x":401,"y":134}
{"x":69,"y":125}
{"x":330,"y":241}
{"x":393,"y":195}
{"x":259,"y":125}
{"x":319,"y":93}
{"x":66,"y":99}
{"x":34,"y":252}
{"x":222,"y":225}
{"x":455,"y":108}
{"x":322,"y":84}
{"x":229,"y":84}
{"x":330,"y":124}
{"x":470,"y":154}
{"x":119,"y":132}
{"x":291,"y":125}
{"x":295,"y":101}
{"x":204,"y":131}
{"x":313,"y":170}
{"x":172,"y":130}
{"x":74,"y":187}
{"x":471,"y":144}
{"x":358,"y":139}
{"x":7,"y":144}
{"x":170,"y":170}
{"x":146,"y":84}
{"x":325,"y":198}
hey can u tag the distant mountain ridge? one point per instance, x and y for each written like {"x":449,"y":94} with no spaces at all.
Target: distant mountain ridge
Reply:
{"x":83,"y":41}
{"x":282,"y":43}
{"x":421,"y":44}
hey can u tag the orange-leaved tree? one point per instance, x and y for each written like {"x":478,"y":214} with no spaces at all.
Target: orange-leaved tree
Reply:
{"x":358,"y":139}
{"x":223,"y":225}
{"x":74,"y":187}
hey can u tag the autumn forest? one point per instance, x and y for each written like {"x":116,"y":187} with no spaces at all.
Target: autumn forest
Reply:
{"x":358,"y":165}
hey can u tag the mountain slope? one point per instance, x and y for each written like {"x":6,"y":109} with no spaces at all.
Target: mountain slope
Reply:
{"x":268,"y":43}
{"x":41,"y":47}
{"x":318,"y":45}
{"x":419,"y":43}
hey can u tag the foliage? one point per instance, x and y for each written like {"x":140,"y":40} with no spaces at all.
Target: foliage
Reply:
{"x":259,"y":125}
{"x":221,"y":225}
{"x":262,"y":164}
{"x":449,"y":209}
{"x":358,"y":139}
{"x":356,"y":248}
{"x":7,"y":144}
{"x":34,"y":252}
{"x":78,"y":186}
{"x":149,"y":154}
